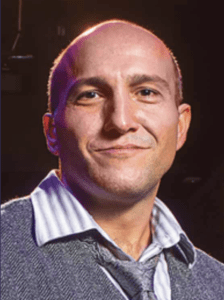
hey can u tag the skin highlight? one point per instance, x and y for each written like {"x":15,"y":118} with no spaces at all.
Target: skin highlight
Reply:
{"x":62,"y":67}
{"x":118,"y":129}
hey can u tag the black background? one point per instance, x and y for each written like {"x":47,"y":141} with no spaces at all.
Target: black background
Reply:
{"x":193,"y":30}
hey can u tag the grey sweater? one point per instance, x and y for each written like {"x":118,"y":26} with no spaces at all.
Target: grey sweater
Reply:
{"x":67,"y":269}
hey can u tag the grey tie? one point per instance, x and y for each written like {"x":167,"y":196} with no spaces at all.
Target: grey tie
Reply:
{"x":135,"y":278}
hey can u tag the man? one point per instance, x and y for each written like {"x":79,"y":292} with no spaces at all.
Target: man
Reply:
{"x":94,"y":229}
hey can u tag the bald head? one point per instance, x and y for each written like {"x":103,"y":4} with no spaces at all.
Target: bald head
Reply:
{"x":108,"y":40}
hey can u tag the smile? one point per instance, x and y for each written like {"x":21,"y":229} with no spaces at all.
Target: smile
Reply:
{"x":122,"y":150}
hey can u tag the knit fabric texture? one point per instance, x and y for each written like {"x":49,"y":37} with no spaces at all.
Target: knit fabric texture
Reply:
{"x":67,"y":269}
{"x":136,"y":278}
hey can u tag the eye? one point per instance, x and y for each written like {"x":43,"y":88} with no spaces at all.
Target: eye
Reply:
{"x":88,"y":95}
{"x":147,"y":95}
{"x":146,"y":92}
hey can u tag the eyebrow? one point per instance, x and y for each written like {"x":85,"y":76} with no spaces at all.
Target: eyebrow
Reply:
{"x":94,"y":81}
{"x":137,"y":79}
{"x":133,"y":80}
{"x":97,"y":81}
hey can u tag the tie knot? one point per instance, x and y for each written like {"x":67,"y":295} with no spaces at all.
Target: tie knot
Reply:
{"x":135,"y":278}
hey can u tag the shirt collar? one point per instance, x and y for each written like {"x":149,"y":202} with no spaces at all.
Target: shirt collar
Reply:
{"x":57,"y":213}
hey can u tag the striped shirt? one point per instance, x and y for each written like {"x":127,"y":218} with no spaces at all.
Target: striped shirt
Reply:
{"x":57,"y":213}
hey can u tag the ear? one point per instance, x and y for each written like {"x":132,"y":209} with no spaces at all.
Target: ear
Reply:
{"x":50,"y":133}
{"x":183,"y":124}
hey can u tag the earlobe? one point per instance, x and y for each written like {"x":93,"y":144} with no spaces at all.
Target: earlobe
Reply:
{"x":50,"y":133}
{"x":183,"y":124}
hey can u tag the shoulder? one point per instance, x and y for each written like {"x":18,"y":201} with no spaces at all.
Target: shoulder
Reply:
{"x":16,"y":210}
{"x":208,"y":275}
{"x":205,"y":262}
{"x":15,"y":204}
{"x":202,"y":280}
{"x":16,"y":220}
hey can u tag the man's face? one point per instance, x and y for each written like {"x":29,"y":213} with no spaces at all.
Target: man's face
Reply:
{"x":117,"y":134}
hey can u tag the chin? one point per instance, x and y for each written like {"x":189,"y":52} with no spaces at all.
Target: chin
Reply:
{"x":125,"y":186}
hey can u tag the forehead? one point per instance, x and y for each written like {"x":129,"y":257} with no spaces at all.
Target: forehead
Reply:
{"x":117,"y":50}
{"x":120,"y":45}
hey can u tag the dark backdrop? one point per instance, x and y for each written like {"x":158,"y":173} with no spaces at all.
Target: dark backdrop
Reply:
{"x":194,"y":187}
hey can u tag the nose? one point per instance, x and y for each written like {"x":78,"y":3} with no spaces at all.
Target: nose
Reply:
{"x":121,"y":114}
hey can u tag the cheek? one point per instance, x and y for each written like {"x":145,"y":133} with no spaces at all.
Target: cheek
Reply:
{"x":160,"y":121}
{"x":78,"y":127}
{"x":168,"y":132}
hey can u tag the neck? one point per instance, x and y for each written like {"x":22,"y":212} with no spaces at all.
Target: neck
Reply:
{"x":128,"y":225}
{"x":130,"y":228}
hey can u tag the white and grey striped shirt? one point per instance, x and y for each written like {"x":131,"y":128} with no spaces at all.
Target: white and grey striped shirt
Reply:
{"x":58,"y":213}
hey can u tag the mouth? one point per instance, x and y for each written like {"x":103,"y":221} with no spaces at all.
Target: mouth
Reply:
{"x":121,"y":150}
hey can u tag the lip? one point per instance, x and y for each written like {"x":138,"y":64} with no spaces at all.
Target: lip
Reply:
{"x":121,"y":150}
{"x":122,"y":147}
